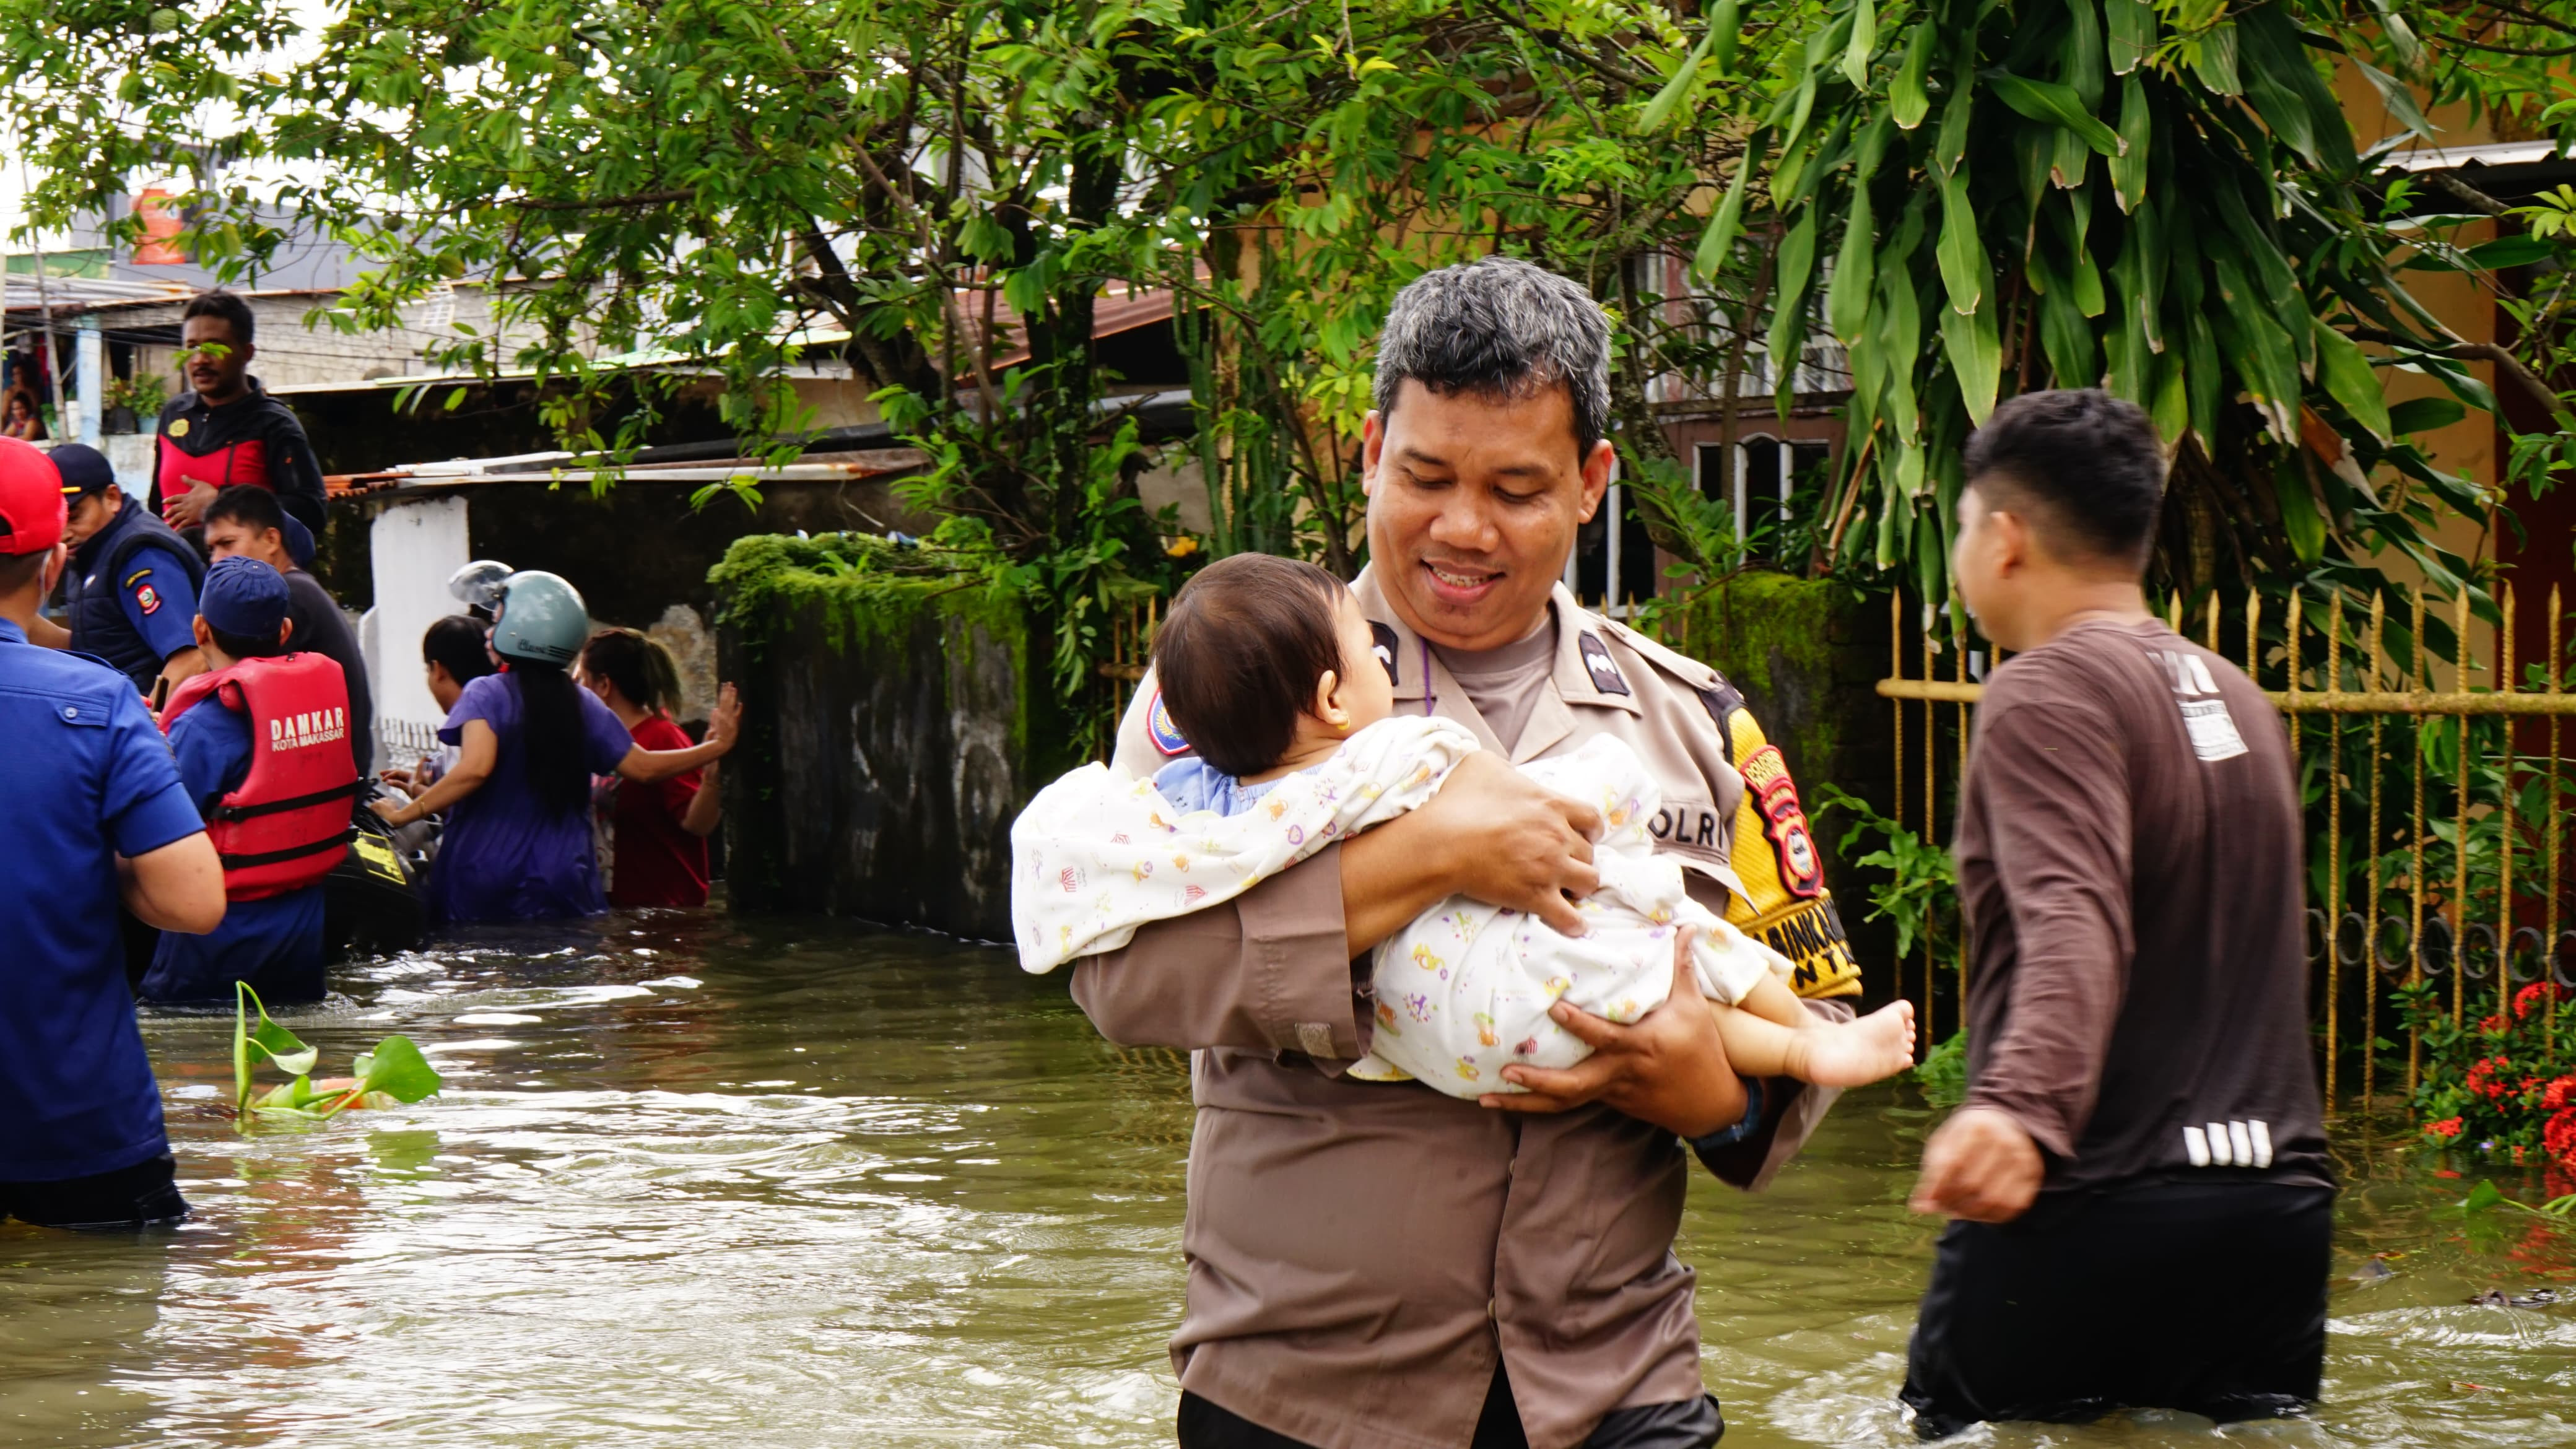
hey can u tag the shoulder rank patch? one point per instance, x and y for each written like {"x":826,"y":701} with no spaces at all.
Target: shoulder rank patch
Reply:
{"x":1784,"y":822}
{"x":147,"y":599}
{"x":1384,"y":634}
{"x":1596,"y":659}
{"x":1166,"y":735}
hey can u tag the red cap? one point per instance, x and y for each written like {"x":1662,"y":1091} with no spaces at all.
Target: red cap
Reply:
{"x":31,"y":499}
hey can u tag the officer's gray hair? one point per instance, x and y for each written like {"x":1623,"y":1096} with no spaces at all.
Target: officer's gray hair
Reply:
{"x":1503,"y":329}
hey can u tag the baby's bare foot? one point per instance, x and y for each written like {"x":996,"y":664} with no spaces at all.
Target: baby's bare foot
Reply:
{"x":1855,"y":1053}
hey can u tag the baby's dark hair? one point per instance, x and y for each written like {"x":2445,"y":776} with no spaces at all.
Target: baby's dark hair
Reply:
{"x":1240,"y":653}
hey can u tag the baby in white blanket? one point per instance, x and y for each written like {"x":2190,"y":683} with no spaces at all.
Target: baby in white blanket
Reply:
{"x":1463,"y":990}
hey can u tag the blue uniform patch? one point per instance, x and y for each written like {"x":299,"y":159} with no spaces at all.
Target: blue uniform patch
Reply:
{"x":1166,"y":735}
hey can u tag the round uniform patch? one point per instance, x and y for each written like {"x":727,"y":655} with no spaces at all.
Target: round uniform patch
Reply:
{"x":178,"y":427}
{"x":147,"y":599}
{"x":1166,"y":735}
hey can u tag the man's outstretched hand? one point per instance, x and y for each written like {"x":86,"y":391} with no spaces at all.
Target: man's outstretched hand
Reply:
{"x":1668,"y":1068}
{"x":1979,"y":1165}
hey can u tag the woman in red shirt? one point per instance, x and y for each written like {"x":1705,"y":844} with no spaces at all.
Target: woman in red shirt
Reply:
{"x":653,"y":848}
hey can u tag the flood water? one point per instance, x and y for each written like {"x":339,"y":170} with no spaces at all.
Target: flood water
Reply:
{"x":703,"y":1182}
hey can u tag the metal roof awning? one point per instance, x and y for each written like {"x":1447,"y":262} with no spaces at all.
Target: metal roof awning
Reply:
{"x":551,"y":469}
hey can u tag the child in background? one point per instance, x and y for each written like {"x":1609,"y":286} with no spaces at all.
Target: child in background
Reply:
{"x":263,"y":729}
{"x":1281,"y":772}
{"x":653,"y":838}
{"x":517,"y":845}
{"x":456,"y":651}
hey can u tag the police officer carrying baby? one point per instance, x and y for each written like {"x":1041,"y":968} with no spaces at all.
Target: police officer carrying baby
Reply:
{"x":1375,"y":1263}
{"x":97,"y":816}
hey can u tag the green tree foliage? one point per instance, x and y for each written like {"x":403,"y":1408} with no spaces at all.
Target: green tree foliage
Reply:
{"x":1979,"y":199}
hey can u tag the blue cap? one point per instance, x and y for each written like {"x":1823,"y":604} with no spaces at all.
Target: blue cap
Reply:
{"x":85,"y":469}
{"x":297,"y":538}
{"x":242,"y":596}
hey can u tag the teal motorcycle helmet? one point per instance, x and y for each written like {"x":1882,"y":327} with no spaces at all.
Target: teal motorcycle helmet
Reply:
{"x":541,"y":619}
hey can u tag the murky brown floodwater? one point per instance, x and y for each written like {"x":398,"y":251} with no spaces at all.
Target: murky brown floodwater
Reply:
{"x":698,"y":1182}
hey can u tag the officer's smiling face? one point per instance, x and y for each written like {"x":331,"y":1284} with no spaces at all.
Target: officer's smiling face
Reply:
{"x":1473,"y":504}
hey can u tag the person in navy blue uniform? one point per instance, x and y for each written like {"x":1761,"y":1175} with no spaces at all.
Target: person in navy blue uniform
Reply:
{"x":96,"y":816}
{"x":132,"y":587}
{"x":272,"y":941}
{"x":226,"y":429}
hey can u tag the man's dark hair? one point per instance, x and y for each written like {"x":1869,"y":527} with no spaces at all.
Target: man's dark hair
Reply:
{"x":250,"y":504}
{"x":1240,"y":653}
{"x":245,"y":646}
{"x":457,"y":642}
{"x":2089,"y":464}
{"x":1502,"y":329}
{"x":226,"y":305}
{"x":19,"y":570}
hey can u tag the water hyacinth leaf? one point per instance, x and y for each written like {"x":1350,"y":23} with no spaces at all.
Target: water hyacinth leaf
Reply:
{"x":1668,"y":100}
{"x":1976,"y":357}
{"x":1908,"y":99}
{"x":2131,"y":25}
{"x":2137,"y":124}
{"x":1847,"y":297}
{"x":397,"y":1069}
{"x":2349,"y":379}
{"x":2053,"y":104}
{"x":1723,"y":227}
{"x":2215,"y":60}
{"x":1864,"y":39}
{"x":1962,"y":255}
{"x":2424,"y":414}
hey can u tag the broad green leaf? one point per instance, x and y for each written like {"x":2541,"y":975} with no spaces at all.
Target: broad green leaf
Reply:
{"x":1789,"y":301}
{"x":1864,"y":39}
{"x":2067,"y":338}
{"x":2131,"y":27}
{"x":2137,"y":124}
{"x":1964,"y":271}
{"x":2215,"y":60}
{"x":397,"y":1069}
{"x":1873,"y":147}
{"x":2349,"y":379}
{"x":1847,"y":297}
{"x":2054,"y":104}
{"x":2287,"y":92}
{"x":2079,"y":56}
{"x":2401,"y":36}
{"x":2424,"y":415}
{"x":1907,"y":98}
{"x":1725,"y":27}
{"x":2299,"y":516}
{"x":1950,"y":147}
{"x":2513,"y":251}
{"x":1976,"y":357}
{"x":2204,"y":367}
{"x":1719,"y":239}
{"x":2172,"y":406}
{"x":2398,"y":96}
{"x":1668,"y":100}
{"x":2481,"y":1197}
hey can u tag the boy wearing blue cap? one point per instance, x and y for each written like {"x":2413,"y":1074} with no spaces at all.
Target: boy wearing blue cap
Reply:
{"x":261,"y":741}
{"x":97,"y":816}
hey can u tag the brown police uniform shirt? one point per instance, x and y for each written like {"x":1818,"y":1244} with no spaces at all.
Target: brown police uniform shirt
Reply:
{"x":2129,"y":845}
{"x":1361,"y":1254}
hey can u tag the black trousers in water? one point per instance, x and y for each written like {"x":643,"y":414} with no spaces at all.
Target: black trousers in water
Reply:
{"x":147,"y":1192}
{"x":2204,"y":1297}
{"x":1686,"y":1424}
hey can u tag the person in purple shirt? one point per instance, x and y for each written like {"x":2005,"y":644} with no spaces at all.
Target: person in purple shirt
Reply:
{"x":517,"y":846}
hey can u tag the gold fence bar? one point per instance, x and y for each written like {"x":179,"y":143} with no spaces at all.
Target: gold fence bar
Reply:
{"x":1896,"y":668}
{"x":2334,"y":841}
{"x":2345,"y":701}
{"x":2504,"y":817}
{"x":2460,"y":820}
{"x":2370,"y":916}
{"x":2415,"y":872}
{"x":2549,"y":892}
{"x":1931,"y":801}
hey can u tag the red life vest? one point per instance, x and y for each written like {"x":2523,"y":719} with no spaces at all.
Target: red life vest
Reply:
{"x":180,"y":471}
{"x":287,"y":826}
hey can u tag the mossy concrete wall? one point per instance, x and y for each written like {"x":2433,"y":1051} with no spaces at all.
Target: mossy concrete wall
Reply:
{"x":894,"y":726}
{"x":1807,"y":654}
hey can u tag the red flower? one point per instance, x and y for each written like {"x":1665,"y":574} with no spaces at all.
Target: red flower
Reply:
{"x":2558,"y":1139}
{"x":2534,"y":995}
{"x":2447,"y":1128}
{"x":2559,"y":1094}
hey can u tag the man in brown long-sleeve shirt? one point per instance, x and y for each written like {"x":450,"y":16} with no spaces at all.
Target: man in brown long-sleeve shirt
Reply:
{"x":2138,"y":1183}
{"x":1376,"y":1264}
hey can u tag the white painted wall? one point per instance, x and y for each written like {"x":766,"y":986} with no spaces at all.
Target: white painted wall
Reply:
{"x":414,"y":549}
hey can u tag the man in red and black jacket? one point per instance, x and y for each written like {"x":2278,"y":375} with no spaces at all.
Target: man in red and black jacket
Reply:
{"x":225,"y":430}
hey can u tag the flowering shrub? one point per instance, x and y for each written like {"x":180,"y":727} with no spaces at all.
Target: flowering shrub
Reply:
{"x":2501,"y":1083}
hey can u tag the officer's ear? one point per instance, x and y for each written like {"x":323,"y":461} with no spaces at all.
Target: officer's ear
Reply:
{"x":285,"y":630}
{"x":205,"y":636}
